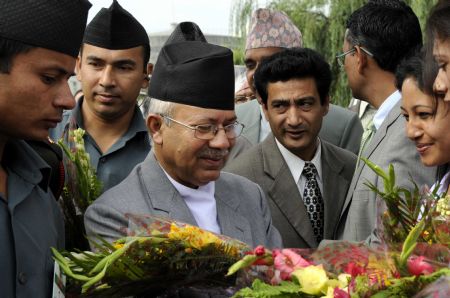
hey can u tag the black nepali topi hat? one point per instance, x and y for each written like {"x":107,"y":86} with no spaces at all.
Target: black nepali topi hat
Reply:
{"x":56,"y":25}
{"x":194,"y":73}
{"x":186,"y":31}
{"x":115,"y":28}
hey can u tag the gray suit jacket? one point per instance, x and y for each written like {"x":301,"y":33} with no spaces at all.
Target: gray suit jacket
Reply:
{"x":242,"y":209}
{"x":389,"y":145}
{"x":265,"y":165}
{"x":340,"y":126}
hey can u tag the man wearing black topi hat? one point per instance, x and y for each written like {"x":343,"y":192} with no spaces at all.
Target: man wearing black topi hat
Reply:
{"x":112,"y":67}
{"x":39,"y":41}
{"x":193,"y":127}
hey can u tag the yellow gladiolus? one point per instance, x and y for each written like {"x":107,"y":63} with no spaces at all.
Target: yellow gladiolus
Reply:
{"x":193,"y":236}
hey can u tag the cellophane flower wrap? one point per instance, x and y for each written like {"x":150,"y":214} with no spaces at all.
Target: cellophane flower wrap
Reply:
{"x":158,"y":255}
{"x":81,"y":186}
{"x":412,"y":260}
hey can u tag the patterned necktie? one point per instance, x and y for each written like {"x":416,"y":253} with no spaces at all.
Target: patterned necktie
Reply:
{"x":313,"y":201}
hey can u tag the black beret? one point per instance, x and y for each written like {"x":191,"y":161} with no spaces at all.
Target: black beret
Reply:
{"x":194,"y":73}
{"x":56,"y":25}
{"x":186,"y":31}
{"x":115,"y":28}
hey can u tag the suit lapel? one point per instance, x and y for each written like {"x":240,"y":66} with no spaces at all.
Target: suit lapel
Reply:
{"x":166,"y":199}
{"x":284,"y":191}
{"x":231,"y":222}
{"x":253,"y":120}
{"x":162,"y":195}
{"x":375,"y":142}
{"x":333,"y":189}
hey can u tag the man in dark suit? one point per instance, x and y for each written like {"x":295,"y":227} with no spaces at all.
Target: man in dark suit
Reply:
{"x":193,"y":126}
{"x":305,"y":178}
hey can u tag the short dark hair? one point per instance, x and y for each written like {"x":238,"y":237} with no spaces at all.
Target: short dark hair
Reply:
{"x":9,"y":49}
{"x":293,"y":63}
{"x":412,"y":67}
{"x":389,"y":29}
{"x":145,"y":53}
{"x":438,"y":27}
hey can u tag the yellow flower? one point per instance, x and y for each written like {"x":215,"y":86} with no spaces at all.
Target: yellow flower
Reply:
{"x":443,"y":207}
{"x":313,"y":279}
{"x":193,"y":236}
{"x":344,"y":278}
{"x":341,"y":283}
{"x":118,"y":245}
{"x":330,"y":293}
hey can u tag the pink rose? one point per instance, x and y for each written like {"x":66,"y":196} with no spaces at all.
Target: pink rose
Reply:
{"x":418,"y":266}
{"x":286,"y":261}
{"x":259,"y":250}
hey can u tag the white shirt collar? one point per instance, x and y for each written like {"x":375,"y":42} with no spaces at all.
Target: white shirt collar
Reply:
{"x":296,"y":164}
{"x":201,"y":203}
{"x":385,"y":108}
{"x":264,"y":124}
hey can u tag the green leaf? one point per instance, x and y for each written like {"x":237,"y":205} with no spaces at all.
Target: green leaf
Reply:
{"x":411,"y":242}
{"x":110,"y":258}
{"x":391,"y":176}
{"x":259,"y":289}
{"x":242,"y":263}
{"x":94,"y":279}
{"x":378,"y":170}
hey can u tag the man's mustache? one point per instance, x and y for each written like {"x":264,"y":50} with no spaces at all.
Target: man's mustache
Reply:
{"x":211,"y":153}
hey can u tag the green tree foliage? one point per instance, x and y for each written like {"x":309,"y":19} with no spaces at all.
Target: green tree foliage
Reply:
{"x":322,"y":23}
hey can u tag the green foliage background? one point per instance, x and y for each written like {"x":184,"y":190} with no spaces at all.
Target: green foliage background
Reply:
{"x":322,"y":23}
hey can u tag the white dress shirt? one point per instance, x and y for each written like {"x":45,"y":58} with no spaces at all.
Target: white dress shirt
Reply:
{"x":201,"y":203}
{"x":265,"y":126}
{"x":296,"y":165}
{"x":386,"y":108}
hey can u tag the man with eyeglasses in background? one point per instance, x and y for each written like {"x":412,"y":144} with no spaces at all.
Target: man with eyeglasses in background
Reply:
{"x":379,"y":35}
{"x":193,"y":126}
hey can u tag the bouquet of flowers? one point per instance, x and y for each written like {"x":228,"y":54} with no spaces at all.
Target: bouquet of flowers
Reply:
{"x":159,"y":255}
{"x":338,"y":270}
{"x":405,"y":209}
{"x":419,"y":220}
{"x":81,"y":188}
{"x":414,"y":260}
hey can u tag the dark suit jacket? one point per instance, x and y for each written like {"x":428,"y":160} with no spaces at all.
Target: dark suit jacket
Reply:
{"x":389,"y":145}
{"x":265,"y":165}
{"x":242,"y":209}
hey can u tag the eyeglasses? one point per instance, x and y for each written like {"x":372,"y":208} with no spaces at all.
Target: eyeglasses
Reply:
{"x":209,"y":131}
{"x":341,"y":57}
{"x":243,"y":98}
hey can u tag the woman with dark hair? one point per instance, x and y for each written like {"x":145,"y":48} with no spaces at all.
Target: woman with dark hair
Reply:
{"x":437,"y":76}
{"x":427,"y":118}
